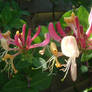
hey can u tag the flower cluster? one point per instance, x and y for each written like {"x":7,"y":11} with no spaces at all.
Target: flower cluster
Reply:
{"x":71,"y":43}
{"x":20,"y":44}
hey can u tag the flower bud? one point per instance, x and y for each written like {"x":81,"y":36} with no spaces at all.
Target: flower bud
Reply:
{"x":4,"y":44}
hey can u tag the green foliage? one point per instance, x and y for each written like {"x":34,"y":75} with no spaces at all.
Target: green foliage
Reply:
{"x":88,"y":89}
{"x":30,"y":65}
{"x":83,"y":14}
{"x":87,"y":55}
{"x":37,"y":81}
{"x":10,"y":16}
{"x":84,"y":69}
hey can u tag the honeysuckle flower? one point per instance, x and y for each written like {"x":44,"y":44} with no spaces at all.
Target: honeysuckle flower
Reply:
{"x":53,"y":60}
{"x":4,"y":39}
{"x":9,"y":63}
{"x":70,"y":49}
{"x":5,"y":42}
{"x":74,"y":24}
{"x":22,"y":44}
{"x":83,"y":39}
{"x":52,"y":32}
{"x":54,"y":57}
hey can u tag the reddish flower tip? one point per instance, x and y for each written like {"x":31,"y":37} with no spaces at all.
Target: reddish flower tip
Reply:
{"x":59,"y":29}
{"x":52,"y":32}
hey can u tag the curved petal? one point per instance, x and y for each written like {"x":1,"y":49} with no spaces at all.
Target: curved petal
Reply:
{"x":59,"y":29}
{"x":44,"y":43}
{"x":83,"y":38}
{"x":28,"y":41}
{"x":37,"y":33}
{"x":23,"y":31}
{"x":78,"y":26}
{"x":89,"y":31}
{"x":52,"y":32}
{"x":90,"y":17}
{"x":16,"y":40}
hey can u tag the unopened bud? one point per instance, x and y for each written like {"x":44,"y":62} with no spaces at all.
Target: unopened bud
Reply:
{"x":4,"y":44}
{"x":42,"y":51}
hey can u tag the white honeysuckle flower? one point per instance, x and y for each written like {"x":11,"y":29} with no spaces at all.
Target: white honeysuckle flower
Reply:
{"x":70,"y":49}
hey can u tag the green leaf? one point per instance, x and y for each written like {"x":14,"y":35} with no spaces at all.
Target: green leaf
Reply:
{"x":25,"y":13}
{"x":40,"y":63}
{"x":3,"y":79}
{"x":6,"y":15}
{"x":84,"y":69}
{"x":37,"y":40}
{"x":40,"y":80}
{"x":87,"y":55}
{"x":83,"y":14}
{"x":15,"y":85}
{"x":44,"y":29}
{"x":17,"y":23}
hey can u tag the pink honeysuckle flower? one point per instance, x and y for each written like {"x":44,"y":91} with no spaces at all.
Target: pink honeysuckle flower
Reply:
{"x":60,"y":30}
{"x":21,"y":43}
{"x":52,"y":32}
{"x":73,"y":23}
{"x":4,"y":39}
{"x":19,"y":39}
{"x":81,"y":37}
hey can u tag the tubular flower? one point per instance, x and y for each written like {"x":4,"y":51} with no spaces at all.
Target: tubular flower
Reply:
{"x":53,"y":60}
{"x":4,"y":39}
{"x":54,"y":57}
{"x":73,"y":23}
{"x":5,"y":42}
{"x":52,"y":32}
{"x":70,"y":49}
{"x":82,"y":38}
{"x":21,"y":44}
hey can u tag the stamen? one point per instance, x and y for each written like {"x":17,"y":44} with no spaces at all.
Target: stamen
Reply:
{"x":58,"y":65}
{"x":10,"y":63}
{"x":45,"y":63}
{"x":51,"y":67}
{"x":67,"y":69}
